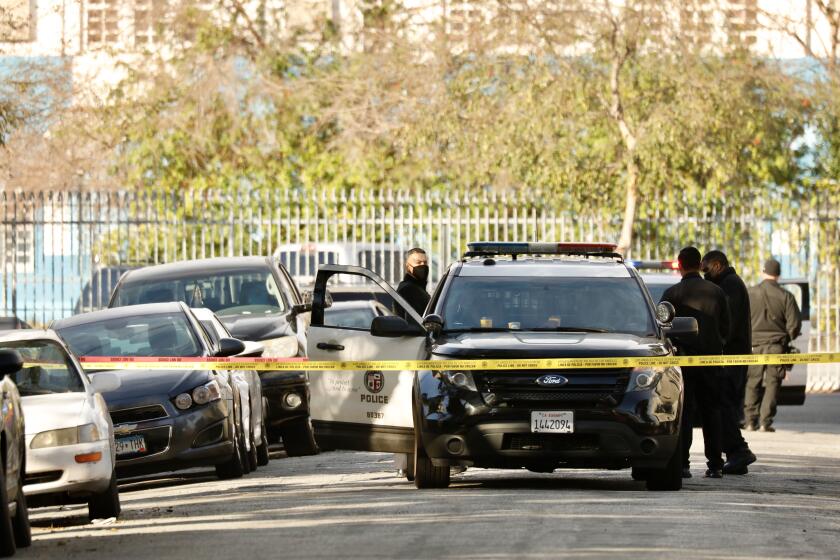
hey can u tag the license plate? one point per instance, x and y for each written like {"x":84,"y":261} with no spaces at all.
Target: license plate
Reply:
{"x":131,"y":445}
{"x":552,"y":421}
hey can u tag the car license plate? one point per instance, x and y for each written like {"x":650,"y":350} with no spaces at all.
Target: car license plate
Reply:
{"x":552,"y":421}
{"x":130,"y":445}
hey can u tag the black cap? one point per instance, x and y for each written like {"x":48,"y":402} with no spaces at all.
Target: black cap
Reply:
{"x":772,"y":267}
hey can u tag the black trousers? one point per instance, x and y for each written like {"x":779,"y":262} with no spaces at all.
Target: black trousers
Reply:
{"x":702,"y":393}
{"x":731,"y":382}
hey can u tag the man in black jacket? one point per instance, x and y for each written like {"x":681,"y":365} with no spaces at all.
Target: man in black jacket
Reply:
{"x":732,"y":379}
{"x":413,"y":286}
{"x":701,"y":299}
{"x":776,"y":322}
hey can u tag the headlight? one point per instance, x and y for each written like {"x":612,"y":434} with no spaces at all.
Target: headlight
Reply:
{"x":87,"y":433}
{"x":645,"y":378}
{"x":292,"y":401}
{"x":183,"y":401}
{"x":207,"y":393}
{"x":460,"y":379}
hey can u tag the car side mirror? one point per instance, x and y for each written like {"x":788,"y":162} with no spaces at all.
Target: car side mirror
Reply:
{"x":682,"y":326}
{"x":230,"y":347}
{"x":10,"y":362}
{"x":434,"y":324}
{"x":665,"y":312}
{"x":392,"y":326}
{"x":252,"y":349}
{"x":105,"y":382}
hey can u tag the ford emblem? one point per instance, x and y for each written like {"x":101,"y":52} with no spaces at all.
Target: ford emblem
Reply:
{"x":551,"y":381}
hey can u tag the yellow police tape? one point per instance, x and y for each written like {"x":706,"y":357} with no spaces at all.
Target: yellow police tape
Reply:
{"x":280,"y":364}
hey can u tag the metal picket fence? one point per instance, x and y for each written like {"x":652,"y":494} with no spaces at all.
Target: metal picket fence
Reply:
{"x":64,"y":251}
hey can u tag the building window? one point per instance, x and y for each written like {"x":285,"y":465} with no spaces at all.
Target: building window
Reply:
{"x":102,"y":22}
{"x":148,"y":15}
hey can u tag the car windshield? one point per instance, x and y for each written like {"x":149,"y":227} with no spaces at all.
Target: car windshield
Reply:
{"x":241,"y":292}
{"x":46,"y":369}
{"x":161,"y":334}
{"x":547,"y":304}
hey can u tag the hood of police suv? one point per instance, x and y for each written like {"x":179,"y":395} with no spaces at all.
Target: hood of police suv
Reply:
{"x":524,"y":344}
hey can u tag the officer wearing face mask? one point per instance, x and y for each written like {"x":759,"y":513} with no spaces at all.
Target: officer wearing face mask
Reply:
{"x":413,"y":286}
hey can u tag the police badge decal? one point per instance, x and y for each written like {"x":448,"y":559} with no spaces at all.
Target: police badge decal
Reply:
{"x":374,"y":381}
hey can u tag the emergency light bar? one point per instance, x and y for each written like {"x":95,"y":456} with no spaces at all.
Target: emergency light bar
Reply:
{"x":490,"y":248}
{"x":655,"y":265}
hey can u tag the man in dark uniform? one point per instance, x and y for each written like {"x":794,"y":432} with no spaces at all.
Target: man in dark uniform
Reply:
{"x":732,"y":379}
{"x":776,"y":322}
{"x":413,"y":286}
{"x":701,"y":299}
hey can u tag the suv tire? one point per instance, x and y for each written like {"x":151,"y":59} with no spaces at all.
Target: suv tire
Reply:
{"x":107,"y":503}
{"x":7,"y":535}
{"x":299,"y":438}
{"x":426,"y":474}
{"x":668,"y":479}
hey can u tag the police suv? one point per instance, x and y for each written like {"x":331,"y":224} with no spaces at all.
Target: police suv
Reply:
{"x":503,"y":301}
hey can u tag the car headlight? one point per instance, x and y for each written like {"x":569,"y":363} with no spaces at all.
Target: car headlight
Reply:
{"x":645,"y":378}
{"x":202,"y":394}
{"x":460,"y":379}
{"x":87,"y":433}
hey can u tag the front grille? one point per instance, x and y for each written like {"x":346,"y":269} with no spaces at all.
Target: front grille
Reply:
{"x":548,"y":442}
{"x":139,"y":414}
{"x":42,"y":477}
{"x":584,"y":387}
{"x":156,"y":439}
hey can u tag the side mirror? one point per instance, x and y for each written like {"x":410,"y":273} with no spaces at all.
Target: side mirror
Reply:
{"x":392,"y":326}
{"x":105,"y":382}
{"x":10,"y":362}
{"x":682,"y":326}
{"x":252,"y":349}
{"x":230,"y":347}
{"x":433,"y":323}
{"x":665,"y":312}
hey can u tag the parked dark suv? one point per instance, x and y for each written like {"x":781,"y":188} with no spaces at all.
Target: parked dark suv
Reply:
{"x":502,"y":301}
{"x":256,"y":300}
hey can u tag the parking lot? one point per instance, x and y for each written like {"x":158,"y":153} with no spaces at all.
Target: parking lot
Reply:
{"x":346,"y":504}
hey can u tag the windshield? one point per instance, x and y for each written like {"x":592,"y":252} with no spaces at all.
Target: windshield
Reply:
{"x":243,"y":292}
{"x":551,"y":304}
{"x":46,"y":369}
{"x":163,"y":334}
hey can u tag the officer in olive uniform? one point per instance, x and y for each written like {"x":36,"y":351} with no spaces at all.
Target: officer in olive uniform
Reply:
{"x":413,"y":286}
{"x":776,"y":322}
{"x":695,"y":297}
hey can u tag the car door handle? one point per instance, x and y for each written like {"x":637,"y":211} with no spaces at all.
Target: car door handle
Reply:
{"x":329,"y":346}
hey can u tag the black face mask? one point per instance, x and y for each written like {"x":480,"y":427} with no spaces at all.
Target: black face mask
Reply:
{"x":421,"y":272}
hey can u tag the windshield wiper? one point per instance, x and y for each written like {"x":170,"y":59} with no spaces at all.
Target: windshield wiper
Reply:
{"x":479,"y":329}
{"x":568,"y":329}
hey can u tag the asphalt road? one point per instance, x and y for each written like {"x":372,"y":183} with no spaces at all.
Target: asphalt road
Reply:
{"x":351,"y":505}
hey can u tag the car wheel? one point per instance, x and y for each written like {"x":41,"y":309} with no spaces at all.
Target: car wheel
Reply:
{"x":253,"y":461}
{"x":426,"y":474}
{"x":7,"y":535}
{"x":233,"y":467}
{"x":409,"y":468}
{"x":106,"y":504}
{"x":262,"y":450}
{"x":299,"y":438}
{"x":668,"y":479}
{"x":243,"y":453}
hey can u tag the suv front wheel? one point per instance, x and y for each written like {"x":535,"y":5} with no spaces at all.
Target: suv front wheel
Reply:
{"x":299,"y":438}
{"x":668,"y":479}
